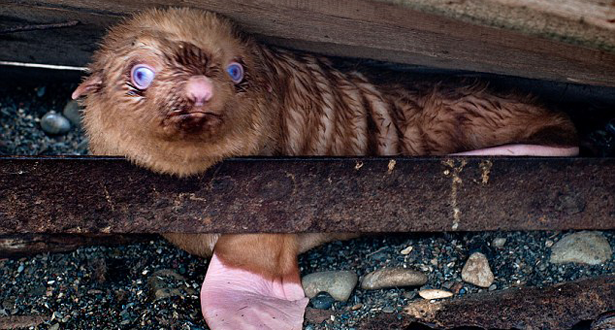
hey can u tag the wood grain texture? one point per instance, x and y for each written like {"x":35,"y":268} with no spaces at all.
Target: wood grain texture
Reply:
{"x":384,"y":30}
{"x":589,"y":23}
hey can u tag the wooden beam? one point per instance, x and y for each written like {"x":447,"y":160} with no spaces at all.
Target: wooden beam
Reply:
{"x":386,"y":30}
{"x":589,"y":23}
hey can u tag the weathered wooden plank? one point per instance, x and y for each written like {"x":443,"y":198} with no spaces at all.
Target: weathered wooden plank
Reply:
{"x":356,"y":28}
{"x":109,"y":195}
{"x":590,"y":23}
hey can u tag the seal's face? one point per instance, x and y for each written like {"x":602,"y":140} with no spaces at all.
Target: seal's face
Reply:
{"x":174,"y":81}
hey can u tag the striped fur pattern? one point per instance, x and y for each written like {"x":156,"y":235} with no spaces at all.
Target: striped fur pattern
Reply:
{"x":328,"y":112}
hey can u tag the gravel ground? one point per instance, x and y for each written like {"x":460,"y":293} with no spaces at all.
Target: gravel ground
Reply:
{"x":21,"y":109}
{"x":153,"y":285}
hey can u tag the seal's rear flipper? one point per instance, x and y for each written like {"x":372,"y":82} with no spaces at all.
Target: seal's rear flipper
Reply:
{"x":522,"y":150}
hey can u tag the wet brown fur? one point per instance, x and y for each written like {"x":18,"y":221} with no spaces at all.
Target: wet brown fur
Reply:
{"x":289,"y":104}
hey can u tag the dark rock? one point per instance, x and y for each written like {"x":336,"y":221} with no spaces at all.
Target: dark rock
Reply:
{"x":72,"y":111}
{"x":322,"y":300}
{"x":54,"y":123}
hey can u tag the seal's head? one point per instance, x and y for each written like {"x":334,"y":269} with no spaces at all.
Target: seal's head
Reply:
{"x":175,"y":90}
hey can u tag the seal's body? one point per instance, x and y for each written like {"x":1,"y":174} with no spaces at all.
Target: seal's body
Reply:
{"x":178,"y":90}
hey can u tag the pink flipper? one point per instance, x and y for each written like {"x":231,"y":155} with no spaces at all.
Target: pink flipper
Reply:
{"x":233,"y":298}
{"x":522,"y":150}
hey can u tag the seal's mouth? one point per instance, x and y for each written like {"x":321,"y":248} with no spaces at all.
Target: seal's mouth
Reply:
{"x":193,"y":115}
{"x":194,"y":120}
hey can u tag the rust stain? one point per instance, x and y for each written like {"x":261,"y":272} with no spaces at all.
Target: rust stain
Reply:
{"x":485,"y":167}
{"x":292,"y":178}
{"x":108,"y":196}
{"x":391,"y":166}
{"x":455,"y":185}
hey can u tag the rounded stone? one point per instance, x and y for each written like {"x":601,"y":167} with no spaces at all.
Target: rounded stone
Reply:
{"x":322,"y":300}
{"x":54,"y":123}
{"x":435,"y":294}
{"x":499,"y":242}
{"x":72,"y":111}
{"x":339,"y":284}
{"x":584,"y":247}
{"x":40,"y":91}
{"x":391,"y":278}
{"x":477,"y":271}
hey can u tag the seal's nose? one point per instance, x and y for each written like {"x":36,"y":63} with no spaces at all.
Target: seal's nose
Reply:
{"x":199,"y":89}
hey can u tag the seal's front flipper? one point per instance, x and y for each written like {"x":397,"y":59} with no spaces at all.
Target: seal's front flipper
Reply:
{"x":233,"y":298}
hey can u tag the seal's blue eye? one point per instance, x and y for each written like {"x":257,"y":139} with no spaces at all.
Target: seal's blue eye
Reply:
{"x":235,"y":71}
{"x":142,"y":76}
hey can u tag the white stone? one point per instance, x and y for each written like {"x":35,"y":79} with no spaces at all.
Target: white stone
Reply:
{"x":435,"y":294}
{"x":499,"y":242}
{"x":339,"y":284}
{"x":477,"y":271}
{"x":407,"y":250}
{"x":584,"y":247}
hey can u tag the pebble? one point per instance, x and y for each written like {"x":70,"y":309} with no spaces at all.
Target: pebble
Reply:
{"x":392,"y":277}
{"x":610,"y":126}
{"x":499,"y":242}
{"x":72,"y":111}
{"x":456,"y":288}
{"x":166,"y":283}
{"x":477,"y":271}
{"x":584,"y":247}
{"x":322,"y":300}
{"x":407,"y":250}
{"x":82,"y":147}
{"x":435,"y":294}
{"x":388,"y":309}
{"x":54,"y":123}
{"x":40,"y":91}
{"x":339,"y":284}
{"x":410,"y":294}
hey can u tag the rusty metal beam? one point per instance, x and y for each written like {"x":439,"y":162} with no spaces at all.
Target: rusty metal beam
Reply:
{"x":109,"y":195}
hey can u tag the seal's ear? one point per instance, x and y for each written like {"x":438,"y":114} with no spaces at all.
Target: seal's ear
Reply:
{"x":91,"y":84}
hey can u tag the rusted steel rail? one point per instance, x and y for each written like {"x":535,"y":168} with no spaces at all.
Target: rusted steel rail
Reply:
{"x":109,"y":195}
